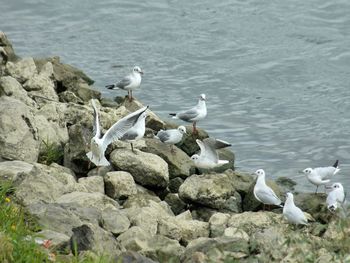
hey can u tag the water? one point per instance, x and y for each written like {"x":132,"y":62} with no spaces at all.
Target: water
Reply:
{"x":276,"y":73}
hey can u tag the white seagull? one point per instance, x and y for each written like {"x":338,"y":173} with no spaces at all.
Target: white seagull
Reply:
{"x":263,"y":193}
{"x":197,"y":113}
{"x":335,"y":197}
{"x":99,"y":144}
{"x":137,"y":131}
{"x":208,"y":157}
{"x":292,"y":213}
{"x":321,"y":175}
{"x":129,"y":82}
{"x":172,"y":136}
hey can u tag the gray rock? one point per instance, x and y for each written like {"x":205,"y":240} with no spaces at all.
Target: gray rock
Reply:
{"x":114,"y":221}
{"x":142,"y":198}
{"x":9,"y":86}
{"x":134,"y":239}
{"x":132,"y":257}
{"x":60,"y":242}
{"x":174,"y":184}
{"x":177,"y":205}
{"x":14,"y":171}
{"x":22,"y":70}
{"x":84,"y":92}
{"x":218,"y":224}
{"x":94,"y":238}
{"x":178,"y":162}
{"x":92,"y":184}
{"x":69,"y":96}
{"x":120,"y":185}
{"x":169,"y":228}
{"x":83,"y":199}
{"x":212,"y":190}
{"x":188,"y":143}
{"x":236,"y":233}
{"x":7,"y":46}
{"x":192,"y":229}
{"x":18,"y":135}
{"x":147,"y":169}
{"x":202,"y":213}
{"x":101,"y":171}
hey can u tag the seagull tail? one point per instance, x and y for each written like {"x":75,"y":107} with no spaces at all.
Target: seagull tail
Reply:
{"x":110,"y":86}
{"x":96,"y":161}
{"x":222,"y":162}
{"x":335,"y":165}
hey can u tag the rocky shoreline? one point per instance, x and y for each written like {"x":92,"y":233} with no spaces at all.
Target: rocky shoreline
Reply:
{"x":147,"y":207}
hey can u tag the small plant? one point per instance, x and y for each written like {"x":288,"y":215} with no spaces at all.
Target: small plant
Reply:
{"x":50,"y":153}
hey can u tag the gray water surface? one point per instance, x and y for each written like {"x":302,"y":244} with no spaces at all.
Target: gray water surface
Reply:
{"x":276,"y":73}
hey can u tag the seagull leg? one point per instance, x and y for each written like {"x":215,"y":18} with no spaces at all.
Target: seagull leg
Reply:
{"x":172,"y":150}
{"x":132,"y":147}
{"x":130,"y":97}
{"x":89,"y":165}
{"x":316,"y":189}
{"x":195,"y":131}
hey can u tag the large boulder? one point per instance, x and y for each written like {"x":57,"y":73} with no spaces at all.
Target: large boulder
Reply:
{"x":7,"y":46}
{"x":141,"y":198}
{"x":18,"y":133}
{"x":120,"y":185}
{"x":9,"y":86}
{"x":92,"y":184}
{"x":178,"y":161}
{"x":212,"y":190}
{"x":14,"y":171}
{"x":22,"y":70}
{"x":147,"y":169}
{"x":114,"y":221}
{"x":218,"y":224}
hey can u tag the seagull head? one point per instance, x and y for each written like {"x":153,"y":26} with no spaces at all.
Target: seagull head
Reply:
{"x":202,"y":97}
{"x":335,"y":186}
{"x":289,"y":195}
{"x":260,"y":173}
{"x":182,"y":129}
{"x":195,"y":158}
{"x":307,"y":171}
{"x":138,"y":70}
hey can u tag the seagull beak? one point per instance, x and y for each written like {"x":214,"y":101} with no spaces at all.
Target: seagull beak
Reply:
{"x":300,"y":172}
{"x":141,"y":72}
{"x":328,"y":187}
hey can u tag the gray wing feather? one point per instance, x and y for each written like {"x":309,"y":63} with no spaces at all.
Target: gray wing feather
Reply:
{"x":163,"y":136}
{"x":268,"y":196}
{"x":124,"y":82}
{"x":207,"y":151}
{"x":187,"y":115}
{"x":122,"y":126}
{"x":216,"y":143}
{"x":129,"y":135}
{"x":96,"y":124}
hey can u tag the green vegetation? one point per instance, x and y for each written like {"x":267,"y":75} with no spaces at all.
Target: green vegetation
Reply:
{"x":51,"y":153}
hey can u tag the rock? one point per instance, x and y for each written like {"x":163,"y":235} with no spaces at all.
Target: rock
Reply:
{"x":176,"y":204}
{"x":225,"y":154}
{"x":7,"y":46}
{"x":83,"y":199}
{"x":216,"y":250}
{"x":202,"y":213}
{"x":218,"y":224}
{"x":44,"y":184}
{"x":153,"y":121}
{"x":192,"y":229}
{"x":69,"y":96}
{"x":174,"y":184}
{"x":120,"y":185}
{"x":250,"y":222}
{"x":236,"y":233}
{"x":142,"y":198}
{"x":9,"y":86}
{"x":114,"y":221}
{"x":93,"y":184}
{"x":147,"y":169}
{"x":169,"y":228}
{"x":18,"y":135}
{"x":94,"y":238}
{"x":106,"y":102}
{"x":286,"y":184}
{"x":134,"y":239}
{"x":22,"y":70}
{"x":101,"y":171}
{"x":14,"y":171}
{"x":212,"y":190}
{"x":250,"y":203}
{"x":188,"y":143}
{"x":84,"y":92}
{"x":132,"y":257}
{"x":60,"y":242}
{"x":185,"y":215}
{"x":178,"y":162}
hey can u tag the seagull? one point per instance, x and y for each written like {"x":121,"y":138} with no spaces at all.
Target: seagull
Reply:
{"x":263,"y":193}
{"x":197,"y":113}
{"x":172,"y":136}
{"x":321,"y":175}
{"x":208,"y":157}
{"x":137,"y":131}
{"x":99,"y":143}
{"x":129,"y":82}
{"x":292,"y":213}
{"x":335,"y":197}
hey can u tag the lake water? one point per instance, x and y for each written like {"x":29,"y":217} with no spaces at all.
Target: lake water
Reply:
{"x":276,"y":73}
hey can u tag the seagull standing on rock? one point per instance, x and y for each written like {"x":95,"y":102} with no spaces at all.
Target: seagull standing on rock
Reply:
{"x":335,"y":197}
{"x":208,"y":157}
{"x":99,"y":144}
{"x":321,"y":175}
{"x":263,"y":193}
{"x":197,"y":113}
{"x":292,"y":213}
{"x":172,"y":136}
{"x":129,"y":82}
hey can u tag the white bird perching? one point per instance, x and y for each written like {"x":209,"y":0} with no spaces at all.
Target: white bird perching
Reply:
{"x":99,"y":144}
{"x":195,"y":114}
{"x":263,"y":193}
{"x":336,"y":197}
{"x":321,"y":175}
{"x":292,"y":213}
{"x":208,"y":157}
{"x":171,"y":137}
{"x":129,"y":82}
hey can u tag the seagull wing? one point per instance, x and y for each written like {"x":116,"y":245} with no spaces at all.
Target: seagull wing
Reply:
{"x":188,"y":115}
{"x":267,"y":196}
{"x":216,"y":143}
{"x":96,"y":124}
{"x":208,"y":152}
{"x":163,"y":136}
{"x":126,"y":81}
{"x":122,"y":126}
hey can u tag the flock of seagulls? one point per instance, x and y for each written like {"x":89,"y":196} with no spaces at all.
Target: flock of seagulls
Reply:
{"x":132,"y":128}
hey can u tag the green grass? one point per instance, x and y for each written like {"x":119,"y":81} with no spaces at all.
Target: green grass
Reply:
{"x":17,"y":232}
{"x":50,"y":153}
